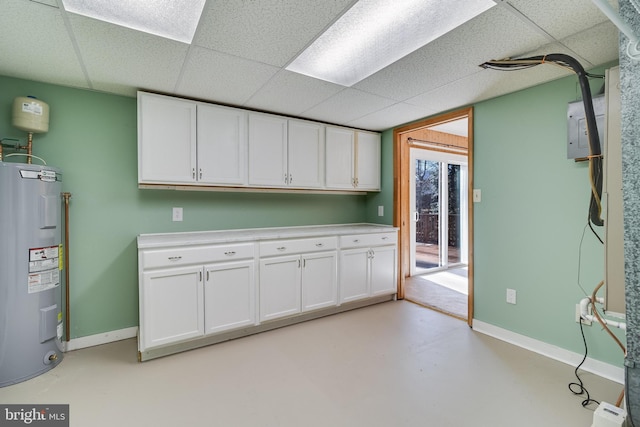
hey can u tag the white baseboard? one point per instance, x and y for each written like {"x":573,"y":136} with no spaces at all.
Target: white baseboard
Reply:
{"x":596,"y":367}
{"x":99,"y":339}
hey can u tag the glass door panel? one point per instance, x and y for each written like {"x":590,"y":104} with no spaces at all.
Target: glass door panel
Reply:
{"x":439,"y":202}
{"x":454,"y":237}
{"x":427,"y":213}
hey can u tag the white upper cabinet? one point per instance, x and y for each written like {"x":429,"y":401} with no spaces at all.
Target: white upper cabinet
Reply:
{"x":305,"y":154}
{"x":340,"y":158}
{"x":267,"y":150}
{"x":368,"y":161}
{"x":285,"y":153}
{"x":190,"y":143}
{"x":166,"y":139}
{"x":222,"y":145}
{"x":353,"y":159}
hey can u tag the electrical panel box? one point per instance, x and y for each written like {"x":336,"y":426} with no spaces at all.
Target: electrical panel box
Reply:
{"x":578,"y":140}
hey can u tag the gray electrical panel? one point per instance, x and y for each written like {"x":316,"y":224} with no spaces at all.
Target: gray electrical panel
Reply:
{"x":578,"y":141}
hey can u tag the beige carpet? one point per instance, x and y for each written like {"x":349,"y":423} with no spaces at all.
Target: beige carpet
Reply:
{"x":445,"y":291}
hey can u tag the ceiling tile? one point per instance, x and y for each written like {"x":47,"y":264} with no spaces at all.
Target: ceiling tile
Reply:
{"x":495,"y":34}
{"x":486,"y":84}
{"x":562,"y":18}
{"x":271,"y":31}
{"x":292,"y":93}
{"x":598,"y":44}
{"x":118,"y":58}
{"x":346,"y":106}
{"x":35,"y":45}
{"x":223,"y":78}
{"x":392,"y":116}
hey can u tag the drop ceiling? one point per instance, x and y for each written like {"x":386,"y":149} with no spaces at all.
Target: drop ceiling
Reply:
{"x":241,"y":48}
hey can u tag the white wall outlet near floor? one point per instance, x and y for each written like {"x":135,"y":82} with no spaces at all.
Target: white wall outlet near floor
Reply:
{"x":511,"y":296}
{"x":177,"y":214}
{"x":380,"y":210}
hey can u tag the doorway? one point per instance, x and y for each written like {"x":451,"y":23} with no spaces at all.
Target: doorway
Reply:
{"x":438,"y":191}
{"x":434,"y":163}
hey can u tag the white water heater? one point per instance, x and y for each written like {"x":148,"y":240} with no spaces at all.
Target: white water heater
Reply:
{"x":31,"y":260}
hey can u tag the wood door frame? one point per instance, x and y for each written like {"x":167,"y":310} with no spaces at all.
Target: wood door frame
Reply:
{"x":401,"y":213}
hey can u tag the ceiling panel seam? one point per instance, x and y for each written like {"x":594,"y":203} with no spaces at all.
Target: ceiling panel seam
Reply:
{"x":531,"y":24}
{"x":76,"y":47}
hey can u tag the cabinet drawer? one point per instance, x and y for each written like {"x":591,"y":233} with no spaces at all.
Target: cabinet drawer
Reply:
{"x":363,"y":240}
{"x":195,"y":255}
{"x":293,"y":246}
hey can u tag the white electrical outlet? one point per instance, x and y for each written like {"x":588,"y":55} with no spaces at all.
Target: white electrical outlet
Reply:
{"x":380,"y":210}
{"x":578,"y":319}
{"x":511,"y":296}
{"x":177,"y":214}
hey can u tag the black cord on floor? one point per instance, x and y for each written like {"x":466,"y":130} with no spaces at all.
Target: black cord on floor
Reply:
{"x":579,"y":388}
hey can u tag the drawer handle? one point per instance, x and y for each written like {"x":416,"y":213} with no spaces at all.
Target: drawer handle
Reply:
{"x":175,"y":258}
{"x":282,"y":248}
{"x":230,"y":253}
{"x":356,"y":241}
{"x":385,"y":238}
{"x":319,"y":245}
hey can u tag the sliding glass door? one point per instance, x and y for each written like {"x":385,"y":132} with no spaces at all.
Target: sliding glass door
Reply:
{"x":439,"y":210}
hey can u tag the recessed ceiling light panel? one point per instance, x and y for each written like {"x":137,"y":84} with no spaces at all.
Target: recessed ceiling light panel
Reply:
{"x":376,"y":33}
{"x":172,"y":19}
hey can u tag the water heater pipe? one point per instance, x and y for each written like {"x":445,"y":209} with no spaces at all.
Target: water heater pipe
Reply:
{"x":66,"y":197}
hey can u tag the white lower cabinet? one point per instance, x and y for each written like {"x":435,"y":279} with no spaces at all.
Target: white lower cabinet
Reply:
{"x":172,"y":306}
{"x":279,"y":287}
{"x":354,"y":274}
{"x":319,"y":280}
{"x":368,"y":267}
{"x":229,"y":296}
{"x":194,"y":293}
{"x":299,"y":281}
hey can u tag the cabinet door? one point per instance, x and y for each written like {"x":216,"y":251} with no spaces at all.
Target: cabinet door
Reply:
{"x":319,"y":281}
{"x":172,"y":306}
{"x":166,"y":139}
{"x":383,"y":270}
{"x":222,"y":145}
{"x":306,"y":154}
{"x":339,"y":159}
{"x":229,"y":296}
{"x":354,"y":274}
{"x":267,"y":150}
{"x":368,"y":161}
{"x":279,"y":287}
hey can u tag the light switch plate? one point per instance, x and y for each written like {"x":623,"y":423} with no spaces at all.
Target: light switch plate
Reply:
{"x":477,"y":195}
{"x":511,"y":296}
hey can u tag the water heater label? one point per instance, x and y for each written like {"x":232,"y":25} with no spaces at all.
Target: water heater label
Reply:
{"x":44,"y":271}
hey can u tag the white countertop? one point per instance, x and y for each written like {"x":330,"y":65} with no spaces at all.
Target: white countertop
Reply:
{"x":158,"y":240}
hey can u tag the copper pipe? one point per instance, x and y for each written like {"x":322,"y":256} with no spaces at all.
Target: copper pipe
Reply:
{"x":29,"y":145}
{"x":66,"y":197}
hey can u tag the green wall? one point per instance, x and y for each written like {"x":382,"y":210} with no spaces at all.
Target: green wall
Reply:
{"x":93,"y":138}
{"x":528,"y":227}
{"x":385,"y":196}
{"x":531,"y":221}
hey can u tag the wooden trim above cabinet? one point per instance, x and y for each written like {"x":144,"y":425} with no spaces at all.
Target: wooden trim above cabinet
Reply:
{"x":248,"y":189}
